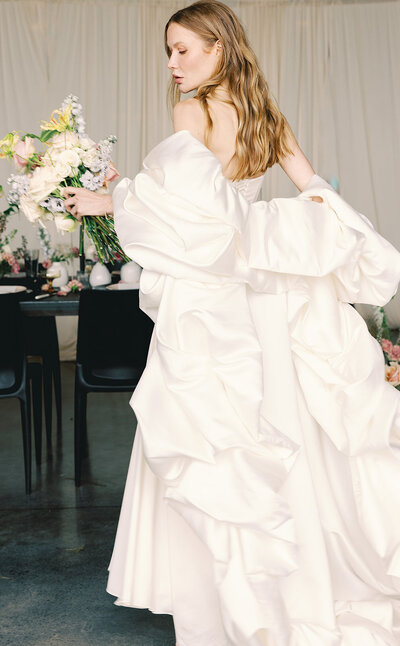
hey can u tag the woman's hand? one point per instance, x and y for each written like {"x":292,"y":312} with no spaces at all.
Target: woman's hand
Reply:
{"x":81,"y":201}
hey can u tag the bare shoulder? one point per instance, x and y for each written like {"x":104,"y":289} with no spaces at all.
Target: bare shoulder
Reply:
{"x":188,"y":115}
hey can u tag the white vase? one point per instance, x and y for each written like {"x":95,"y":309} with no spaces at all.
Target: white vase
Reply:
{"x":63,"y":277}
{"x":99,"y":275}
{"x":130,"y":272}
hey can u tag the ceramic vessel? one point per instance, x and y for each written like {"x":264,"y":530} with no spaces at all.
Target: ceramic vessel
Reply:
{"x":63,"y":277}
{"x":130,"y":272}
{"x":99,"y":275}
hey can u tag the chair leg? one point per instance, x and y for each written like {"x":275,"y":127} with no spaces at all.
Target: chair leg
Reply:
{"x":55,"y":360}
{"x":57,"y":393}
{"x":48,"y":397}
{"x":35,"y":370}
{"x":79,"y":431}
{"x":25,"y":404}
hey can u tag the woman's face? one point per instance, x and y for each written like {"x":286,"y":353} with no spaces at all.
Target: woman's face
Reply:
{"x":190,"y":64}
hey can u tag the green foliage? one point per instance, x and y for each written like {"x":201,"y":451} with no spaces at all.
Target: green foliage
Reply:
{"x":46,"y":135}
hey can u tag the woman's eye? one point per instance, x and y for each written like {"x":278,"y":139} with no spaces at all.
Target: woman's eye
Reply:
{"x":183,"y":51}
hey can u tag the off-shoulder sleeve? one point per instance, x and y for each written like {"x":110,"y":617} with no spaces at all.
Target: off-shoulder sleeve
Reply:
{"x":180,"y":216}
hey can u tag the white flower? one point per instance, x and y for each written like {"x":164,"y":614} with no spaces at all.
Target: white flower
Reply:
{"x":91,"y":160}
{"x":70,"y":157}
{"x":7,"y":248}
{"x":65,"y":289}
{"x":90,"y":252}
{"x":65,"y":223}
{"x":44,"y":180}
{"x":62,"y":170}
{"x":86,"y":143}
{"x":30,"y":208}
{"x":46,"y":160}
{"x":63,"y":141}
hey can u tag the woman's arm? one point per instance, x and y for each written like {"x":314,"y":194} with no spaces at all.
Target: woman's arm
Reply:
{"x":297,"y":167}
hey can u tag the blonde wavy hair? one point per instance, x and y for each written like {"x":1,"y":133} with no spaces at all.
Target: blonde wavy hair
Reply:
{"x":263,"y":136}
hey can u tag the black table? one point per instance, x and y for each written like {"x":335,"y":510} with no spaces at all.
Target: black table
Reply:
{"x":49,"y":306}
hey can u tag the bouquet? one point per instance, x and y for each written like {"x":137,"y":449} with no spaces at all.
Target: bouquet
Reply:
{"x":69,"y":158}
{"x":391,"y":351}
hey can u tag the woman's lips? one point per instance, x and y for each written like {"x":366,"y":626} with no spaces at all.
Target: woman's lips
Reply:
{"x":178,"y":79}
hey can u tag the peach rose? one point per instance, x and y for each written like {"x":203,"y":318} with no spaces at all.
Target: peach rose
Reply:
{"x":392,"y":373}
{"x":111,"y":174}
{"x":22,"y":151}
{"x":394,"y":352}
{"x":386,"y":345}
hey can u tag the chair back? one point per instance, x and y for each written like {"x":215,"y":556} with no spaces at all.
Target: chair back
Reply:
{"x":112,"y":329}
{"x":12,"y":351}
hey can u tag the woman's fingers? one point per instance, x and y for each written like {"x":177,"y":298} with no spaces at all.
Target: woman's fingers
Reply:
{"x":71,"y":207}
{"x":81,"y":202}
{"x":73,"y":190}
{"x":69,"y":190}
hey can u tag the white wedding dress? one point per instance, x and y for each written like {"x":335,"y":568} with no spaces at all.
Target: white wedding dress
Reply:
{"x":262,"y":501}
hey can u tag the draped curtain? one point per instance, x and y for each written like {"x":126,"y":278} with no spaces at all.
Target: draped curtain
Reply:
{"x":332,"y":67}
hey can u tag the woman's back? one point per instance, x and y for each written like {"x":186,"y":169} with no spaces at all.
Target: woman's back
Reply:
{"x":223,"y":134}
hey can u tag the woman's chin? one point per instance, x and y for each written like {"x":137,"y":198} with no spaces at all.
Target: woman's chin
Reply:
{"x":187,"y":88}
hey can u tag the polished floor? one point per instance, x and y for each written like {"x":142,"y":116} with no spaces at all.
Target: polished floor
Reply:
{"x":55,"y":545}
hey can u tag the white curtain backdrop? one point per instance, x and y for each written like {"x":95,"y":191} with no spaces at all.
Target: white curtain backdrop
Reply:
{"x":332,"y":66}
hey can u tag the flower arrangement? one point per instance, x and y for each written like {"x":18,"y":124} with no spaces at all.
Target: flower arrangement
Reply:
{"x":72,"y":286}
{"x":8,"y":261}
{"x":391,"y":351}
{"x":69,"y":158}
{"x":50,"y":255}
{"x":9,"y":258}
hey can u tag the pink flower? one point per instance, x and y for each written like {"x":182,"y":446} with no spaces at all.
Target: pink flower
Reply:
{"x":10,"y":259}
{"x":394,"y":352}
{"x":75,"y":251}
{"x":111,"y":174}
{"x":15,"y":267}
{"x":392,"y":373}
{"x":22,"y":151}
{"x":46,"y":263}
{"x":75,"y":285}
{"x":386,"y":345}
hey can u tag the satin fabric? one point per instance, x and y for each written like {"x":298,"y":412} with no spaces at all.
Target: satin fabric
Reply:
{"x":262,"y":498}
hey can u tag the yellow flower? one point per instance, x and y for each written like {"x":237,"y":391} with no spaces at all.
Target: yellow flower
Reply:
{"x":63,"y":122}
{"x":7,"y":144}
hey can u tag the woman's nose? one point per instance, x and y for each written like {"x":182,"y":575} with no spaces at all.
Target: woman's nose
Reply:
{"x":171,"y":62}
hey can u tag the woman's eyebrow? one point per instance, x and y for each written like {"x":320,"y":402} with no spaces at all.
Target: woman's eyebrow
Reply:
{"x":178,"y":43}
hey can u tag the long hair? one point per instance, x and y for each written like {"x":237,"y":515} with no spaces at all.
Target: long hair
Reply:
{"x":263,"y":136}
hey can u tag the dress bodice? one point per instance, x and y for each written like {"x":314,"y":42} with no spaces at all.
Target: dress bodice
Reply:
{"x":249,"y":187}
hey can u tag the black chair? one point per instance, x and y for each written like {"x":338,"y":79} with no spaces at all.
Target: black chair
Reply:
{"x":15,"y":377}
{"x":113,"y":341}
{"x":41,"y":339}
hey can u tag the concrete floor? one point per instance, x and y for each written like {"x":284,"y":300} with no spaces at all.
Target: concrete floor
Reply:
{"x":55,"y":545}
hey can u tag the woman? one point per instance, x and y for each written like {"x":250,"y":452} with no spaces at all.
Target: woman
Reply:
{"x":264,"y":480}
